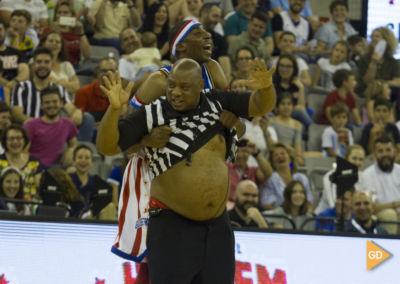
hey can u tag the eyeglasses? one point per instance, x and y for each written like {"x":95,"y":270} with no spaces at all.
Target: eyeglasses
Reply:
{"x":285,"y":66}
{"x":245,"y":58}
{"x":15,"y":138}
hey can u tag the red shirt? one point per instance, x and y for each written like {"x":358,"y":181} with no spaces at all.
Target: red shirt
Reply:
{"x":333,"y":98}
{"x":90,"y":98}
{"x":235,"y":177}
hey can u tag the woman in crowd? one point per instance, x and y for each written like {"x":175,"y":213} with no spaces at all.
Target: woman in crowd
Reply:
{"x":285,"y":170}
{"x":372,"y":65}
{"x":63,"y":73}
{"x":243,"y":57}
{"x":355,"y":154}
{"x":295,"y":206}
{"x":75,"y":38}
{"x":15,"y":141}
{"x":338,"y":28}
{"x":157,"y":21}
{"x":11,"y":186}
{"x":286,"y":81}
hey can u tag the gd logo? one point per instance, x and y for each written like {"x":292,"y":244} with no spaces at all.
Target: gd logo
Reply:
{"x":376,"y":255}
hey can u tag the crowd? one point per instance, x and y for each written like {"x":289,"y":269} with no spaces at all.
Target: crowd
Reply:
{"x":48,"y":118}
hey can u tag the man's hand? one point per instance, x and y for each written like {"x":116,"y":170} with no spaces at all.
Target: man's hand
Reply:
{"x":256,"y":216}
{"x":261,"y":78}
{"x":158,"y":137}
{"x":117,"y":95}
{"x":228,"y":119}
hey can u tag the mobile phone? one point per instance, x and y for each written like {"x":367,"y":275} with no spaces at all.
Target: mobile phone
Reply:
{"x":67,"y":21}
{"x":380,"y":47}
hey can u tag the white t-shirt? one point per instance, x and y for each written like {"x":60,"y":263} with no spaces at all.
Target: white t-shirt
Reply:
{"x":327,"y":70}
{"x":67,"y":71}
{"x":127,"y":69}
{"x":37,"y":8}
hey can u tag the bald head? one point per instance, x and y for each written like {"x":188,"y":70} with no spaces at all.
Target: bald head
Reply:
{"x":246,"y":195}
{"x":187,"y":65}
{"x":246,"y":185}
{"x":362,"y":207}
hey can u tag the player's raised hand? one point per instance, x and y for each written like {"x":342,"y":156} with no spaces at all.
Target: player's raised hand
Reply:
{"x":113,"y":89}
{"x":261,"y":78}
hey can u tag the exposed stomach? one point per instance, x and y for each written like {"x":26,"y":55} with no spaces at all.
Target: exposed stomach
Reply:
{"x":198,"y":191}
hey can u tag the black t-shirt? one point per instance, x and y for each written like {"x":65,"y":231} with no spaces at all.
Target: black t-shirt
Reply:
{"x":220,"y":47}
{"x":238,"y":222}
{"x":293,"y":89}
{"x":390,"y":130}
{"x":11,"y":58}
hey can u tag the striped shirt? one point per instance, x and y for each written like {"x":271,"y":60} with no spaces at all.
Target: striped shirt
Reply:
{"x":27,"y":96}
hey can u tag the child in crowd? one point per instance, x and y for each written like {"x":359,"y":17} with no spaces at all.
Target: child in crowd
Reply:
{"x":11,"y":186}
{"x":326,"y":67}
{"x":336,"y":137}
{"x":148,"y":56}
{"x":377,"y":89}
{"x":18,"y":36}
{"x":358,"y":46}
{"x":345,"y":83}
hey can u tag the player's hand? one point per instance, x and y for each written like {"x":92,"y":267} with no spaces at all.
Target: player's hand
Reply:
{"x":228,"y":119}
{"x":158,"y":137}
{"x":261,"y":78}
{"x":117,"y":95}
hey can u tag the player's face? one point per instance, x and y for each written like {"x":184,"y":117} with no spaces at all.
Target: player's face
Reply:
{"x":198,"y":45}
{"x":183,"y":90}
{"x":11,"y":185}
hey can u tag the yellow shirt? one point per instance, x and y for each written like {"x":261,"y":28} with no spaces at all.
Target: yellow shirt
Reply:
{"x":25,"y":44}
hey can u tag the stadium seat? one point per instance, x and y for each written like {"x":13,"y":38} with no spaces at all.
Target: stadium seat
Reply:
{"x":316,"y":102}
{"x":100,"y":52}
{"x":357,"y":132}
{"x":314,"y":141}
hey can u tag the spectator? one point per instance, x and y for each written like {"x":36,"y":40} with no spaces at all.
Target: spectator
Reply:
{"x":182,"y":10}
{"x":373,"y":66}
{"x":326,"y":67}
{"x":157,"y":21}
{"x":111,"y":17}
{"x":210,"y":17}
{"x":129,"y":43}
{"x":344,"y":81}
{"x":335,"y":212}
{"x":285,"y":170}
{"x":355,"y":154}
{"x":16,"y":143}
{"x":286,"y":81}
{"x":12,"y":186}
{"x":18,"y":36}
{"x":14,"y":68}
{"x":277,"y":6}
{"x":25,"y":99}
{"x":295,"y":206}
{"x":293,"y":22}
{"x":363,"y":222}
{"x":148,"y":56}
{"x":76,"y":41}
{"x":337,"y":29}
{"x":62,"y":72}
{"x":377,"y":89}
{"x":242,"y":58}
{"x":50,"y":132}
{"x":381,"y":125}
{"x":358,"y":47}
{"x":5,"y":121}
{"x":245,"y":213}
{"x":252,"y":37}
{"x":225,"y":5}
{"x":286,"y":45}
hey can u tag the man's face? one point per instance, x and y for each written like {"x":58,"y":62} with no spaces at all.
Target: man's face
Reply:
{"x":247,"y":6}
{"x":183,"y":90}
{"x":19,"y":24}
{"x":287,"y":44}
{"x":385,"y":154}
{"x":104,"y":67}
{"x":129,"y":41}
{"x":256,"y":28}
{"x":297,"y":5}
{"x":2,"y":34}
{"x":42,"y":66}
{"x":212,"y":18}
{"x":242,"y":155}
{"x":346,"y":203}
{"x":339,"y":14}
{"x":5,"y":120}
{"x":198,"y":45}
{"x":51,"y":105}
{"x":382,"y":114}
{"x":362,"y":207}
{"x":246,"y":197}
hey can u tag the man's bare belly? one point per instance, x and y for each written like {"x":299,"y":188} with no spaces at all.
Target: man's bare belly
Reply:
{"x":199,"y":191}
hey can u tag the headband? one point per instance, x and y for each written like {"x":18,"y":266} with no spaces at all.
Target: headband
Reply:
{"x":182,"y":33}
{"x":10,"y":168}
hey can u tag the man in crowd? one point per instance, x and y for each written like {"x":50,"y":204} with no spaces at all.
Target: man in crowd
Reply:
{"x":245,"y":213}
{"x":129,"y":42}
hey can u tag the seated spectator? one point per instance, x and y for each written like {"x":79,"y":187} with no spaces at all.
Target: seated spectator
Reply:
{"x":285,"y":170}
{"x":292,"y":21}
{"x":344,"y":81}
{"x":295,"y":206}
{"x":62,"y":71}
{"x":337,"y":29}
{"x":129,"y":43}
{"x":148,"y":56}
{"x":50,"y":132}
{"x":16,"y":143}
{"x":243,"y":57}
{"x":383,"y":178}
{"x":239,"y":170}
{"x":18,"y":36}
{"x":286,"y":81}
{"x":336,"y":138}
{"x":111,"y":17}
{"x":286,"y":45}
{"x":355,"y":154}
{"x":336,"y":212}
{"x":25,"y":99}
{"x":381,"y":125}
{"x":157,"y":21}
{"x":377,"y":89}
{"x":12,"y":186}
{"x":363,"y":223}
{"x":277,"y":6}
{"x":373,"y":66}
{"x":75,"y":39}
{"x":358,"y":47}
{"x":245,"y":214}
{"x":252,"y":37}
{"x":5,"y":121}
{"x":14,"y":67}
{"x":326,"y":67}
{"x":182,"y":10}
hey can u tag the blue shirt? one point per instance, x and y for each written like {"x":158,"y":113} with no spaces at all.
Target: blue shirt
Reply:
{"x":327,"y":225}
{"x":306,"y":12}
{"x":328,"y":33}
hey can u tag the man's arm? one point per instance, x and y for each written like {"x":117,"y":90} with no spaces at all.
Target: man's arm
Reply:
{"x":153,"y":88}
{"x":67,"y":157}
